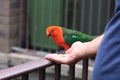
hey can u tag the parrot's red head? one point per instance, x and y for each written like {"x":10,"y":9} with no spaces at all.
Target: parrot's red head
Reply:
{"x":54,"y":31}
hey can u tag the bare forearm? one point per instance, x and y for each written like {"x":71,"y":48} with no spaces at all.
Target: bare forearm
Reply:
{"x":92,"y":46}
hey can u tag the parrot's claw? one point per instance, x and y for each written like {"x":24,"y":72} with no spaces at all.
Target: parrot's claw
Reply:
{"x":61,"y":52}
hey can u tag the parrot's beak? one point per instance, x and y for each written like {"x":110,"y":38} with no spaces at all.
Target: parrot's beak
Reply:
{"x":48,"y":34}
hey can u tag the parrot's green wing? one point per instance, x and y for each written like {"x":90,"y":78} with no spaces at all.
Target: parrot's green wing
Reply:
{"x":71,"y":36}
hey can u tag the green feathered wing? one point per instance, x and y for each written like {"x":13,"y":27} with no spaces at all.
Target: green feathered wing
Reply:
{"x":71,"y":36}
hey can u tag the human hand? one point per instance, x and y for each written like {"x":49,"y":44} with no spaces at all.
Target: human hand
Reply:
{"x":71,"y":56}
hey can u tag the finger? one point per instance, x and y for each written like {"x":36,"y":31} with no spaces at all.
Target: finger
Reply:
{"x":49,"y":56}
{"x":59,"y":58}
{"x":68,"y":51}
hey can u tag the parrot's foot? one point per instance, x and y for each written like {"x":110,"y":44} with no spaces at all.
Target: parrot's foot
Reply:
{"x":61,"y":52}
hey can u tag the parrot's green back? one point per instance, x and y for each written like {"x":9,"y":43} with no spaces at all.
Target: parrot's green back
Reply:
{"x":71,"y":36}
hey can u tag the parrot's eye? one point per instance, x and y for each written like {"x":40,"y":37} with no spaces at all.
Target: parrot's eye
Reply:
{"x":52,"y":31}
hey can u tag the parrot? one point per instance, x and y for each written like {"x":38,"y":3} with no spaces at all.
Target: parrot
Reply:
{"x":64,"y":37}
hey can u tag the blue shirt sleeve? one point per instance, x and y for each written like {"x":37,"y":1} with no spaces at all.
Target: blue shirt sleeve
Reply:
{"x":117,"y":5}
{"x":107,"y":63}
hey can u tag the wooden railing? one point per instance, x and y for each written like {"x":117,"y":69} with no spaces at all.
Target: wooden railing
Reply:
{"x":23,"y":70}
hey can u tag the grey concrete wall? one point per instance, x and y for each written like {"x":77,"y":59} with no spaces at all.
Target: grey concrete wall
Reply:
{"x":9,"y":24}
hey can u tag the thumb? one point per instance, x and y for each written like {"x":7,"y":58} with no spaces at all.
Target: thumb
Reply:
{"x":68,"y":51}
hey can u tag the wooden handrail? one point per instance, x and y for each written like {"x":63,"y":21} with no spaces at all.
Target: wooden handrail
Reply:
{"x":40,"y":65}
{"x":19,"y":70}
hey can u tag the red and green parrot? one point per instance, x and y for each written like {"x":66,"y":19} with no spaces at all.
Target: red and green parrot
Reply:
{"x":64,"y":37}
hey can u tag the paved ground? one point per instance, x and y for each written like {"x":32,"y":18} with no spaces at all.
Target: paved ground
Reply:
{"x":3,"y":61}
